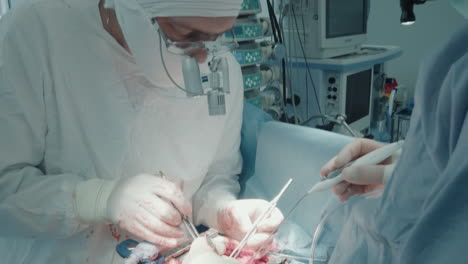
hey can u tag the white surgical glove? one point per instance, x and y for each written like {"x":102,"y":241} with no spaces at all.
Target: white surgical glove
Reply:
{"x":144,"y":251}
{"x":235,"y":219}
{"x":203,"y":253}
{"x":142,"y":205}
{"x":360,"y":179}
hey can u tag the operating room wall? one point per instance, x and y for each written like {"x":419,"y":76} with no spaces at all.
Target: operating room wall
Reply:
{"x":3,"y":7}
{"x":435,"y":22}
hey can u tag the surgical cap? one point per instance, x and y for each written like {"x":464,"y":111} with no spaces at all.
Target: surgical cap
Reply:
{"x":198,"y":8}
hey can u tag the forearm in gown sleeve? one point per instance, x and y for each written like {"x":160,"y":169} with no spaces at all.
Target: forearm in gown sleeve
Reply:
{"x":32,"y":204}
{"x":222,"y":181}
{"x":441,"y":231}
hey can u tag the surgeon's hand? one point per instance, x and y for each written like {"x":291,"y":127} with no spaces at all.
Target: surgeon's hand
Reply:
{"x":236,"y":218}
{"x":144,"y":206}
{"x":359,"y":179}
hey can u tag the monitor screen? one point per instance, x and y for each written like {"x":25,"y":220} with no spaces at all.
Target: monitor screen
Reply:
{"x":346,"y":17}
{"x":358,"y":92}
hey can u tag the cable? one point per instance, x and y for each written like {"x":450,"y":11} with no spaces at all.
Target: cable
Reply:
{"x":283,"y":62}
{"x":297,"y":74}
{"x":306,"y":62}
{"x":165,"y":68}
{"x":285,"y":65}
{"x":271,"y":14}
{"x":314,"y":117}
{"x":306,"y":77}
{"x":276,"y":24}
{"x":319,"y":230}
{"x":307,"y":66}
{"x":291,"y":89}
{"x":289,"y":256}
{"x":277,"y":34}
{"x":283,"y":73}
{"x":286,"y":62}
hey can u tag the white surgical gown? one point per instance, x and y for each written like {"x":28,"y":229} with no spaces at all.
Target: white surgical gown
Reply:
{"x":73,"y":107}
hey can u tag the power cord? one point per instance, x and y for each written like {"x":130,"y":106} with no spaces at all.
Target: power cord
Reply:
{"x":165,"y":68}
{"x":306,"y":62}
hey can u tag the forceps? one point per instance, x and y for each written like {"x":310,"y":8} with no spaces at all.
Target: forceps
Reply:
{"x":188,"y":224}
{"x":272,"y":205}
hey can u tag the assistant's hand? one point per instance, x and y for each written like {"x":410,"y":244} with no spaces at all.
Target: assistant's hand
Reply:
{"x":144,"y":206}
{"x":236,"y":218}
{"x":359,"y":179}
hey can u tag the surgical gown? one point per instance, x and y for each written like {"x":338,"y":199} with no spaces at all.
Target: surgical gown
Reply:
{"x":73,"y":107}
{"x":422,"y":216}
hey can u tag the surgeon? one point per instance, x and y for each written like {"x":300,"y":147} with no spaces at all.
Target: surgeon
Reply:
{"x":422,"y":215}
{"x":100,"y":140}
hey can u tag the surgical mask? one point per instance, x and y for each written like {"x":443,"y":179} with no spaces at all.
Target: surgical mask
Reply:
{"x":461,"y":6}
{"x":143,"y":40}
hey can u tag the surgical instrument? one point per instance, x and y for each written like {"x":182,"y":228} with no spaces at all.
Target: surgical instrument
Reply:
{"x":185,"y":219}
{"x":371,"y":158}
{"x":272,"y":205}
{"x":125,"y":248}
{"x":337,"y":172}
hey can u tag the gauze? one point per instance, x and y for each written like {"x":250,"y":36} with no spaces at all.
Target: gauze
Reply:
{"x":134,"y":17}
{"x":461,"y":6}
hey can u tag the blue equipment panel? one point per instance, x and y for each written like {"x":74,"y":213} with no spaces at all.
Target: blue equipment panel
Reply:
{"x":250,"y":7}
{"x":248,"y":57}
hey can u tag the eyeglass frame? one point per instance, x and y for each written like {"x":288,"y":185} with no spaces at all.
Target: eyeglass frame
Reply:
{"x":194,"y":45}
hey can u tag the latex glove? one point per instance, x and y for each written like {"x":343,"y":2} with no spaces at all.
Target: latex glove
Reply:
{"x":203,"y":253}
{"x":142,"y":205}
{"x":360,"y":179}
{"x":236,"y":218}
{"x":144,"y":251}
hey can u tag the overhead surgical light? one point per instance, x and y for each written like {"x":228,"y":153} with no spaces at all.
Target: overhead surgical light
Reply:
{"x":407,"y":15}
